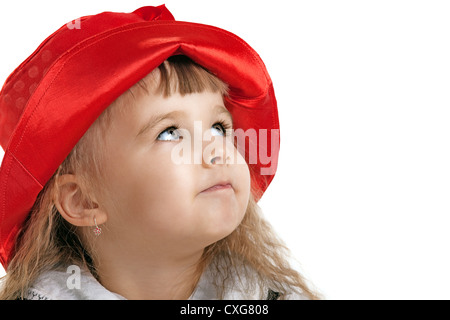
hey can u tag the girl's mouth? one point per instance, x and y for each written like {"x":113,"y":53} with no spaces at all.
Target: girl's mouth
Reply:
{"x":218,"y":187}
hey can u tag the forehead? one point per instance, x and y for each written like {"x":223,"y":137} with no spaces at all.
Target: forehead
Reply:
{"x":194,"y":105}
{"x":151,"y":107}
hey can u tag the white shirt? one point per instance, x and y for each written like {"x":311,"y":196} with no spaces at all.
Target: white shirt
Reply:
{"x":58,"y":285}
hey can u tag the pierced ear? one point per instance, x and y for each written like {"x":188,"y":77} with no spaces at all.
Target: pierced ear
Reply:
{"x":75,"y":205}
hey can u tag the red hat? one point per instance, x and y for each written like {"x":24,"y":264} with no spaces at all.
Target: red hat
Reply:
{"x":54,"y":96}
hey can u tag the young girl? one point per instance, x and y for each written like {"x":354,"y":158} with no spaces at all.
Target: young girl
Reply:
{"x":124,"y":176}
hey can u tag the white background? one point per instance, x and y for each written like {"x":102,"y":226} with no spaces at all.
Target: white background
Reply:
{"x":362,"y":192}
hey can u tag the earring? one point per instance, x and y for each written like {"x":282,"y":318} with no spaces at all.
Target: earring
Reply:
{"x":97,"y":229}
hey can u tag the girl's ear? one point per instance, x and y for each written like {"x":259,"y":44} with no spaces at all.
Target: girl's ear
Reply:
{"x":75,"y":205}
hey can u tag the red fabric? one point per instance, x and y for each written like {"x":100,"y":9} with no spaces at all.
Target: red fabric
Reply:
{"x":53,"y":97}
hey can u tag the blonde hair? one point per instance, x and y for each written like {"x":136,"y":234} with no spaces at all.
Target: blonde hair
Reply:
{"x":47,"y":241}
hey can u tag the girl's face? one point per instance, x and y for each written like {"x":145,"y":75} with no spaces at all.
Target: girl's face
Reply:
{"x":155,"y":203}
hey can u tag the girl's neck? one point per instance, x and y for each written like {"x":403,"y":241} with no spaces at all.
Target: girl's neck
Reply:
{"x":155,"y":279}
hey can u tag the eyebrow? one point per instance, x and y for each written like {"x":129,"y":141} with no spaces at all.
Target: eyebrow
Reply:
{"x":154,"y":120}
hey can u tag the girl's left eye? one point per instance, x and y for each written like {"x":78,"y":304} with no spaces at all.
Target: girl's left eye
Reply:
{"x":218,"y":129}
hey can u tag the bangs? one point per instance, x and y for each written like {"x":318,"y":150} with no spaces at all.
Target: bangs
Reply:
{"x":179,"y":74}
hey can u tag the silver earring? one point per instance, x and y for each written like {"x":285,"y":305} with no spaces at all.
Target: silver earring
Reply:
{"x":97,"y":229}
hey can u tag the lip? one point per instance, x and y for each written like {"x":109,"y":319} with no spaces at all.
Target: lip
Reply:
{"x":222,"y":186}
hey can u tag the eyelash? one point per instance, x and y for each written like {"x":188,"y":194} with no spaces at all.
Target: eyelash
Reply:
{"x":225,"y":125}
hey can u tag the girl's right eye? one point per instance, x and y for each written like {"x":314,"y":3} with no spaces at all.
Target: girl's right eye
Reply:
{"x":170,"y":134}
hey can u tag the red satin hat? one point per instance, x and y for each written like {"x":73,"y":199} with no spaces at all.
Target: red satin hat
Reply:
{"x":54,"y":96}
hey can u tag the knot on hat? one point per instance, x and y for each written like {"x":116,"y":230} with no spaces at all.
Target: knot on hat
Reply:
{"x":154,"y":13}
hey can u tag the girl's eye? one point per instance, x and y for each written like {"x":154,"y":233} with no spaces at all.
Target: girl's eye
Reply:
{"x":170,"y":134}
{"x":218,"y":129}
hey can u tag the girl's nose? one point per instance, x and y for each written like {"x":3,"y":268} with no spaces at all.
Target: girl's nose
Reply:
{"x":213,"y":160}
